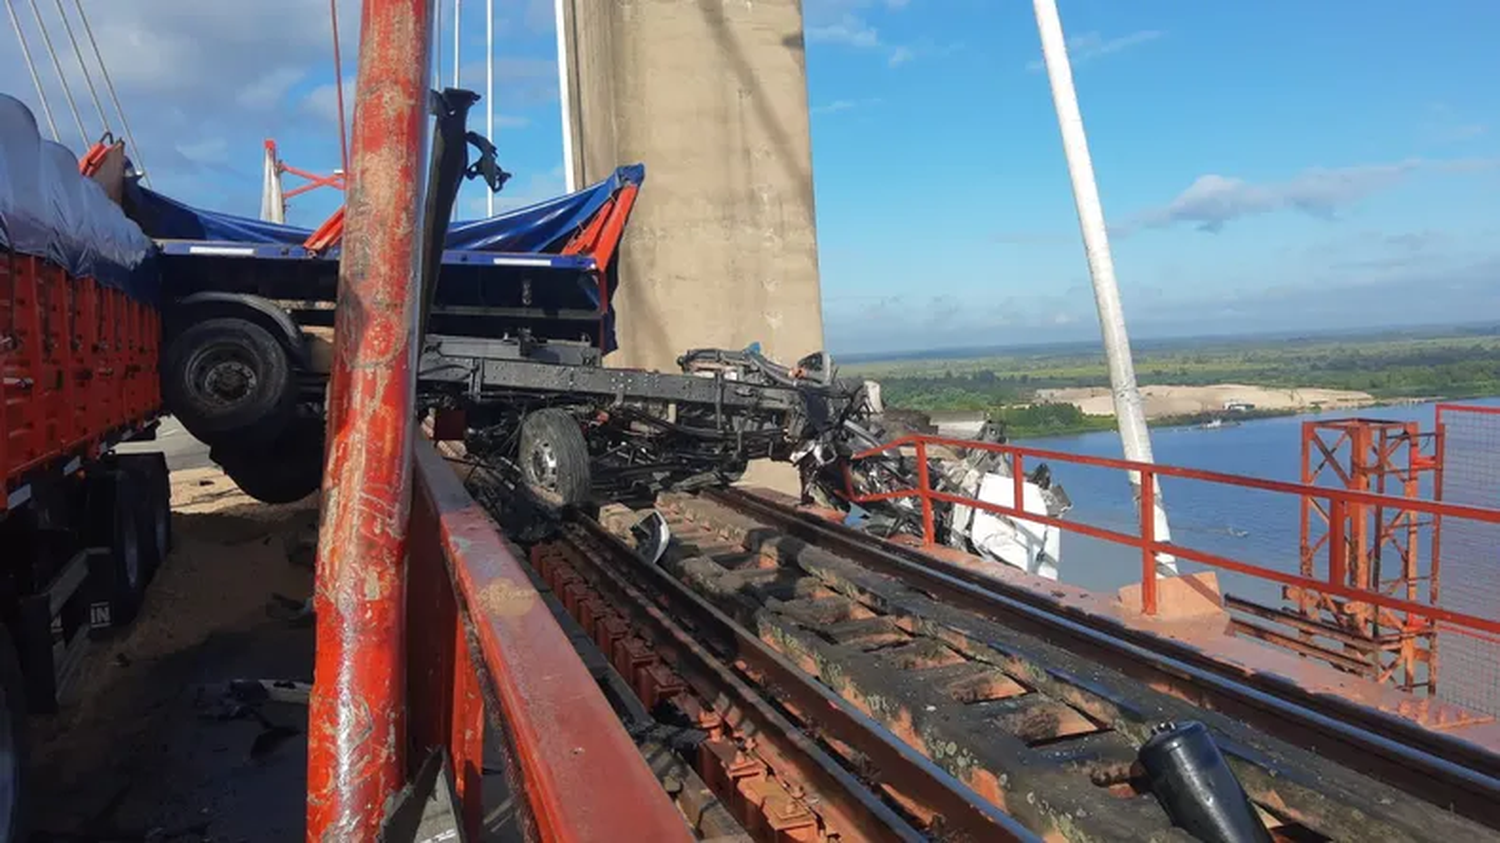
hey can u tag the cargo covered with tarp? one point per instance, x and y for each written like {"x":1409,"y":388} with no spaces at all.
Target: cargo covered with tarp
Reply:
{"x":49,"y":210}
{"x":499,"y":274}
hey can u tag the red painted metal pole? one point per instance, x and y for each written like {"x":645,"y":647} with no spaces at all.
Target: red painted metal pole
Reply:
{"x":924,"y":483}
{"x":357,"y":733}
{"x":1338,"y":543}
{"x":1148,"y":542}
{"x":1018,"y":480}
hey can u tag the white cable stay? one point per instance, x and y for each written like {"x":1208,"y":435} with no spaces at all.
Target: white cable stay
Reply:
{"x":489,"y":87}
{"x":62,"y":78}
{"x":1134,"y":435}
{"x":109,"y":85}
{"x":41,"y":93}
{"x":83,"y":67}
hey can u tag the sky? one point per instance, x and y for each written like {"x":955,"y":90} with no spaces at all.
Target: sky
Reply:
{"x":1264,"y":166}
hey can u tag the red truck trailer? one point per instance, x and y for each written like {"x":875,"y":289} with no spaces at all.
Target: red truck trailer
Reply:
{"x":82,"y":529}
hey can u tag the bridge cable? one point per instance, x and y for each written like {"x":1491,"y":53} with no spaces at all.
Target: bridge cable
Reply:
{"x":88,"y":78}
{"x":36,"y":80}
{"x":338,"y":85}
{"x":110,"y":86}
{"x":61,"y":77}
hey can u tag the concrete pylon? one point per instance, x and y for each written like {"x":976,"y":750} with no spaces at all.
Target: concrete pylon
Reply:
{"x":711,"y":95}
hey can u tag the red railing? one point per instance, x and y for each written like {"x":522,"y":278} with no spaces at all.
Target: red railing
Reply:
{"x":477,"y":630}
{"x":1340,"y":505}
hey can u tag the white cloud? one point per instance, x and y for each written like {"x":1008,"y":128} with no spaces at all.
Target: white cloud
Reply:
{"x":322,"y":101}
{"x":1213,"y":200}
{"x":268,"y":91}
{"x":206,"y":151}
{"x":833,"y":107}
{"x":841,"y":22}
{"x":1088,"y":46}
{"x":848,"y":30}
{"x":844,"y":105}
{"x":187,"y":71}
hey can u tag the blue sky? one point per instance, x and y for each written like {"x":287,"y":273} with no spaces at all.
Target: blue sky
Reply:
{"x":1271,"y":165}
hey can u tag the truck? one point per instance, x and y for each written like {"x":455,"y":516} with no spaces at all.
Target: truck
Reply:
{"x":83,"y":528}
{"x":248,"y":306}
{"x":515,"y":326}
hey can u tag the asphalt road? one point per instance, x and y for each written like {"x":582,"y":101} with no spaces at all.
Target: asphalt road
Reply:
{"x":182,"y":450}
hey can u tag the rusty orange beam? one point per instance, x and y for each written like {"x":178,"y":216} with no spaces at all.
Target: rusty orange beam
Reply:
{"x":581,"y":774}
{"x":357,"y":732}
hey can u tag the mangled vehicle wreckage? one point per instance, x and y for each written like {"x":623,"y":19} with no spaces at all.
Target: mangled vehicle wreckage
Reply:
{"x":571,"y":431}
{"x":517,"y":316}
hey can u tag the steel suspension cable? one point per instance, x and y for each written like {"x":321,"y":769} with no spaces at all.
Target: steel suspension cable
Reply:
{"x":88,"y":78}
{"x":338,"y":85}
{"x":109,"y":85}
{"x":41,"y":93}
{"x":62,"y":78}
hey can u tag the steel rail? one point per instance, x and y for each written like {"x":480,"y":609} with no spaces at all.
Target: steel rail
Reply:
{"x":1436,"y":767}
{"x":915,"y":777}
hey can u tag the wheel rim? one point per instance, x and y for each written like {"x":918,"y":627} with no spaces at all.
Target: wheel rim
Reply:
{"x":542,"y":467}
{"x":222,"y":376}
{"x":10,"y":782}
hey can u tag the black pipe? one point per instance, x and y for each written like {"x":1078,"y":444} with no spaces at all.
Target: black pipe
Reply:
{"x":1196,"y":787}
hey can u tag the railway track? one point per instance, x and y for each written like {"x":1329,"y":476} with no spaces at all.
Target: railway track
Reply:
{"x":840,"y":687}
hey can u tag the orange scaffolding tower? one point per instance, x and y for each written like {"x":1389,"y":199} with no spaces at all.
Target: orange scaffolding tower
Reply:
{"x":1383,"y":549}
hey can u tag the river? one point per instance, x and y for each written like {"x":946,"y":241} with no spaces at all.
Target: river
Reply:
{"x":1242,"y":524}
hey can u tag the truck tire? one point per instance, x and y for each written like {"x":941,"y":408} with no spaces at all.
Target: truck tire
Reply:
{"x":13,"y":712}
{"x":285,"y":470}
{"x":153,"y":506}
{"x":115,"y":524}
{"x":554,"y":458}
{"x":228,"y":380}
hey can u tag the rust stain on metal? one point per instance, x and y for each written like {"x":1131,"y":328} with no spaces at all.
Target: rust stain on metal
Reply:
{"x":503,"y":598}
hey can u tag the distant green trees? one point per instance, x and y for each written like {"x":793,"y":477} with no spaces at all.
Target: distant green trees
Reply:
{"x":1047,"y":419}
{"x":1460,"y":365}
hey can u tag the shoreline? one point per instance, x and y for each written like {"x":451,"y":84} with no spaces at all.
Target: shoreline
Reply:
{"x":956,"y":423}
{"x":1160,"y":401}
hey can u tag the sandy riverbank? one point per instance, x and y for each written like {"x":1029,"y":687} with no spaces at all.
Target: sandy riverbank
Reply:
{"x":1161,"y":401}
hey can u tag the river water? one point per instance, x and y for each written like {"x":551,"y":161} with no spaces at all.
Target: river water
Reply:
{"x":1243,"y":524}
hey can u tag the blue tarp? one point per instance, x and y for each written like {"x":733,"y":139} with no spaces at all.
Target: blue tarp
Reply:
{"x":49,"y":210}
{"x":540,"y":228}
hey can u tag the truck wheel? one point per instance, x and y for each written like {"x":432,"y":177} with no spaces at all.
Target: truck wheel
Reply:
{"x":554,"y":458}
{"x":228,"y":379}
{"x":285,"y":470}
{"x":12,"y":743}
{"x":153,"y":506}
{"x":115,"y":524}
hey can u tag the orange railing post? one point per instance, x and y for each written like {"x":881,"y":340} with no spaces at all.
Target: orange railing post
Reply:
{"x":924,"y":483}
{"x":1148,"y":542}
{"x":1017,"y":480}
{"x":1341,"y":502}
{"x":1338,"y":544}
{"x":357,"y":726}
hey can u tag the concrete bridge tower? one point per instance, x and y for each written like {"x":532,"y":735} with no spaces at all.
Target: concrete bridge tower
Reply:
{"x":711,"y":95}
